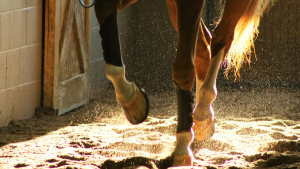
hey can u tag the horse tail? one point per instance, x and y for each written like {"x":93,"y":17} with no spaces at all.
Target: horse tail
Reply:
{"x":244,"y":36}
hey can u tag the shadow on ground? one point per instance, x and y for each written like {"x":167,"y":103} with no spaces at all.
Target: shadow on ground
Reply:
{"x":45,"y":120}
{"x":136,"y":162}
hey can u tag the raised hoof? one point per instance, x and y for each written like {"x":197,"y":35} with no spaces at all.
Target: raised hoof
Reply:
{"x":137,"y":109}
{"x":203,"y":129}
{"x":181,"y":160}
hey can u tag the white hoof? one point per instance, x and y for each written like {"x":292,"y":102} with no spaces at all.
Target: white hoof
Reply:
{"x":204,"y":123}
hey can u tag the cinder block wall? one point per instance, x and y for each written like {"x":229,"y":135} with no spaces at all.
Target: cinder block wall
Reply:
{"x":20,"y":58}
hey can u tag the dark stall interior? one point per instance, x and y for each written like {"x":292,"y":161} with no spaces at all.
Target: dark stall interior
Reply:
{"x":149,"y":44}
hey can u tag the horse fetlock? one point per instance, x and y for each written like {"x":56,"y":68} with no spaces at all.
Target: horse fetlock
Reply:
{"x":182,"y":154}
{"x":204,"y":122}
{"x":124,"y":90}
{"x":115,"y":72}
{"x":183,"y":141}
{"x":203,"y":114}
{"x":133,"y":100}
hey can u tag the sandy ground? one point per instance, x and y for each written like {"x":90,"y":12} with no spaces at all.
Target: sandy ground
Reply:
{"x":257,"y":128}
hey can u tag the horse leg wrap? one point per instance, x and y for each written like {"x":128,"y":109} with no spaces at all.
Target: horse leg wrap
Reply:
{"x":110,"y":41}
{"x":184,"y":108}
{"x":182,"y":155}
{"x":133,"y":100}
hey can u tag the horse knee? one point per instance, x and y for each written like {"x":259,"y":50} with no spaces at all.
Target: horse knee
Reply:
{"x":184,"y":76}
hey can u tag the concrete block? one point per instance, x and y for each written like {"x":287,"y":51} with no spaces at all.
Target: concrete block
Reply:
{"x":32,"y":99}
{"x":3,"y":70}
{"x":34,"y":25}
{"x":99,"y":82}
{"x":31,"y":3}
{"x":30,"y":63}
{"x":6,"y":33}
{"x":93,"y":19}
{"x":20,"y":27}
{"x":18,"y":4}
{"x":13,"y":68}
{"x":96,"y":47}
{"x":5,"y":5}
{"x":16,"y":102}
{"x":5,"y":116}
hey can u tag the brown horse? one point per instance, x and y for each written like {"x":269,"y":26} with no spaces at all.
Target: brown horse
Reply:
{"x":199,"y":56}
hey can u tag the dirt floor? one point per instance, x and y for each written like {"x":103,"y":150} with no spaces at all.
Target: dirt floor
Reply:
{"x":256,"y":128}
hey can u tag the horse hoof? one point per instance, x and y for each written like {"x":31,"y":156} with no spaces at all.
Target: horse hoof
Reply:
{"x":182,"y":160}
{"x":137,"y":109}
{"x":203,"y":129}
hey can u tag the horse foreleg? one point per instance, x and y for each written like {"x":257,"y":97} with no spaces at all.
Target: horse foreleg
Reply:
{"x":133,"y":100}
{"x":185,"y":16}
{"x":221,"y":41}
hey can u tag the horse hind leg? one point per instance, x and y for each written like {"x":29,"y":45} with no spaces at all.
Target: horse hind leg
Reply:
{"x":221,"y":41}
{"x":204,"y":123}
{"x":133,"y":100}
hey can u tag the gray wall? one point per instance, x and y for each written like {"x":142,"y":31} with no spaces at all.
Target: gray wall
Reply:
{"x":98,"y":80}
{"x":277,"y":49}
{"x":149,"y":43}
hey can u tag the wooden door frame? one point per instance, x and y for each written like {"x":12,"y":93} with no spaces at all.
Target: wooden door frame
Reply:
{"x":50,"y":72}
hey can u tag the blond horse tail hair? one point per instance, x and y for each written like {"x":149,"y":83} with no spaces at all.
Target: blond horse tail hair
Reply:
{"x":244,"y":35}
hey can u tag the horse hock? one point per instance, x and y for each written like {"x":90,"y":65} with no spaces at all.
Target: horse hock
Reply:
{"x":133,"y":100}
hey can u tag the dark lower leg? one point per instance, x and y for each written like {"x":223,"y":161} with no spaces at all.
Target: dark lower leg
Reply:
{"x":110,"y":40}
{"x":185,"y":102}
